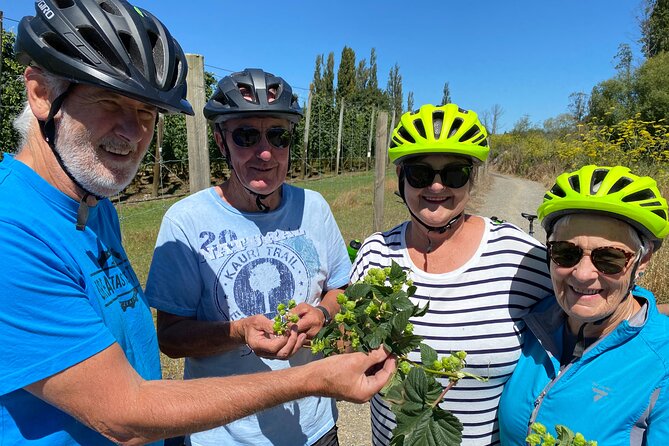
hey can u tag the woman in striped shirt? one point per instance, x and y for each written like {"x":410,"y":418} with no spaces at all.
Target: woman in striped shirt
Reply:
{"x":478,"y":276}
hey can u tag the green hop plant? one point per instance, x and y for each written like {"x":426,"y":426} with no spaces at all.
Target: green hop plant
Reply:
{"x":375,"y":312}
{"x":540,"y":436}
{"x":283,"y":317}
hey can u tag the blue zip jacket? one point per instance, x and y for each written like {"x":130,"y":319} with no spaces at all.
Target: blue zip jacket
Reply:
{"x":616,"y":393}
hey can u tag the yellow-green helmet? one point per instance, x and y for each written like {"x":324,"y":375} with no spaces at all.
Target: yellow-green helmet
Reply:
{"x":613,"y":191}
{"x":444,"y":129}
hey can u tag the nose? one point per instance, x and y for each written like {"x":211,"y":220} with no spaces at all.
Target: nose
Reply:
{"x":130,"y":127}
{"x":263,"y":149}
{"x":584,"y":270}
{"x":437,"y":184}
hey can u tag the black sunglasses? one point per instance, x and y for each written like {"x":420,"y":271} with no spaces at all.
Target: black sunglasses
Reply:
{"x":607,"y":259}
{"x":452,"y":175}
{"x":250,"y":136}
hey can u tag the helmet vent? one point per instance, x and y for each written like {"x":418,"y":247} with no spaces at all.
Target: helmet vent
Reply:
{"x":556,"y":190}
{"x":642,"y":195}
{"x":463,"y":111}
{"x":420,"y":128}
{"x":393,"y":143}
{"x":478,"y":138}
{"x":133,"y":51}
{"x":484,"y":143}
{"x":159,"y":59}
{"x":575,"y":184}
{"x":662,"y":213}
{"x":404,"y":134}
{"x":62,"y":4}
{"x":437,"y":123}
{"x":457,"y":122}
{"x":469,"y":134}
{"x":176,"y":75}
{"x":108,"y":8}
{"x":60,"y":45}
{"x":597,"y":179}
{"x":93,"y":39}
{"x":620,"y":185}
{"x":247,"y":91}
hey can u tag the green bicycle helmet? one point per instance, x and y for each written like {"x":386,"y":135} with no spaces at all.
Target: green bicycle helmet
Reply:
{"x":613,"y":191}
{"x":443,"y":129}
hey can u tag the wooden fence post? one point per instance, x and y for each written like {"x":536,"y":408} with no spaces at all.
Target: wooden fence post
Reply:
{"x":371,"y":137}
{"x":341,"y":127}
{"x":306,"y":134}
{"x":159,"y":154}
{"x":196,"y":127}
{"x":380,"y":154}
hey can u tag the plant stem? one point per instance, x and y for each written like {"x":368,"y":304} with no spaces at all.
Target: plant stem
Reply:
{"x":446,"y":389}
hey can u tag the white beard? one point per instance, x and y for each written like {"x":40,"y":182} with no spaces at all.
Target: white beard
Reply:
{"x":80,"y":157}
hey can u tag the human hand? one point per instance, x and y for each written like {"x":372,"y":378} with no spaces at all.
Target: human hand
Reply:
{"x":355,"y":377}
{"x":311,"y":319}
{"x":259,"y":336}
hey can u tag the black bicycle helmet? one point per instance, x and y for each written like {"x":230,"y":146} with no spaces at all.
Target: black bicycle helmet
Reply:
{"x":108,"y":44}
{"x":245,"y":93}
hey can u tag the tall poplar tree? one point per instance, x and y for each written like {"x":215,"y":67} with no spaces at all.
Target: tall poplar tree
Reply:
{"x":446,"y":97}
{"x":346,"y":75}
{"x":655,"y":28}
{"x":394,"y":90}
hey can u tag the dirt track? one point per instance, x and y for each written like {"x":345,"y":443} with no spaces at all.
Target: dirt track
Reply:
{"x":503,"y":196}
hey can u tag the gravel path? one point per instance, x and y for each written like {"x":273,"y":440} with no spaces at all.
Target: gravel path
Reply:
{"x":501,"y":195}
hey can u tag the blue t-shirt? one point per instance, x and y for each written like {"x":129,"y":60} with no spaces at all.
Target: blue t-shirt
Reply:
{"x":215,"y":263}
{"x":66,"y":295}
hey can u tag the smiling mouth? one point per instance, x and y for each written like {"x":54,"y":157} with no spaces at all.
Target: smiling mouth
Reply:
{"x":586,"y":291}
{"x":434,"y":199}
{"x":116,"y":150}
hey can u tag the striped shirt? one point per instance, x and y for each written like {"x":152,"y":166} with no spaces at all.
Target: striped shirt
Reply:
{"x":476,"y":308}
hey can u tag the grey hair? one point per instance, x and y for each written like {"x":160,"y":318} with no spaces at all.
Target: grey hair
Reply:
{"x":26,"y":119}
{"x":642,"y":243}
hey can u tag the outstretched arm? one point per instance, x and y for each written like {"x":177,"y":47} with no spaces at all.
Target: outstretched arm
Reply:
{"x":133,"y":411}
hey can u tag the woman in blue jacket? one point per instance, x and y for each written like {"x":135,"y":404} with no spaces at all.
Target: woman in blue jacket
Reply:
{"x":596,"y":357}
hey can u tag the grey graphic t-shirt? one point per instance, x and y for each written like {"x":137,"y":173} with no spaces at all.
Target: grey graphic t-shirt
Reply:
{"x":215,"y":263}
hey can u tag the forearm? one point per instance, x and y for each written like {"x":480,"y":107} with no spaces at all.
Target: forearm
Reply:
{"x":105,"y":393}
{"x":180,"y":337}
{"x":329,"y":301}
{"x":167,"y":409}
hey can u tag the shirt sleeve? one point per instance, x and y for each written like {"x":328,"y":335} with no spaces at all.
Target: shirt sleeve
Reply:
{"x":174,"y":284}
{"x":47,"y":322}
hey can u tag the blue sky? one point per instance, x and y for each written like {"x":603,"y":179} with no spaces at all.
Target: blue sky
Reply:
{"x":527,"y":56}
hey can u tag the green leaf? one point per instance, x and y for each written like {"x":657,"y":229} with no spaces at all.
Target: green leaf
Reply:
{"x":418,"y":422}
{"x":427,"y":355}
{"x":399,"y":321}
{"x":411,"y":290}
{"x":422,"y":311}
{"x":358,"y":290}
{"x":432,"y":427}
{"x":396,"y":272}
{"x":401,"y":302}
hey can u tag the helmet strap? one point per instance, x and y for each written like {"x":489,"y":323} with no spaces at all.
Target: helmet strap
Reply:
{"x":580,"y":346}
{"x":262,"y":207}
{"x":48,"y":129}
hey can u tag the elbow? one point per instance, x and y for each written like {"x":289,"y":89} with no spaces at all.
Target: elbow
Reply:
{"x":120,"y":434}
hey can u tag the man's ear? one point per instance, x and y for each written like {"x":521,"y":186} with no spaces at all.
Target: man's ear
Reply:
{"x":37,"y":92}
{"x":218,"y":136}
